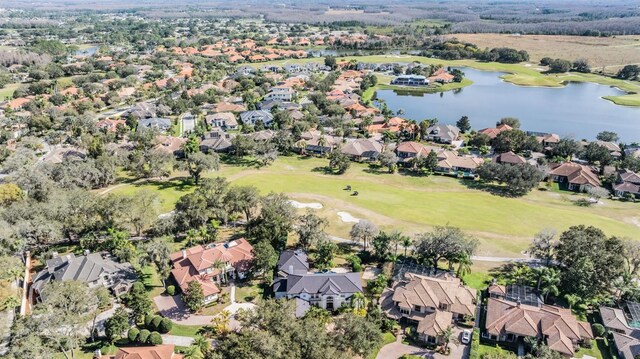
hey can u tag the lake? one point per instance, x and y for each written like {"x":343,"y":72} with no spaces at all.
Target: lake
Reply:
{"x":576,"y":110}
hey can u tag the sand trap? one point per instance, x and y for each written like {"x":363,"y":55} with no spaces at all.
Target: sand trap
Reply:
{"x":347,"y":217}
{"x":312,"y":205}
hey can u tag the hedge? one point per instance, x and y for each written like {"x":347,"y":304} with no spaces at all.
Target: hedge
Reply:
{"x":155,"y":323}
{"x":133,"y":334}
{"x":165,"y":325}
{"x":143,"y":337}
{"x":474,"y":351}
{"x":155,"y":338}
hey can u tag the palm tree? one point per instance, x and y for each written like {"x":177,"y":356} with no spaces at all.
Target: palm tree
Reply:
{"x":222,"y":267}
{"x":396,"y":238}
{"x":445,"y":336}
{"x":464,"y":265}
{"x":301,"y":145}
{"x":358,"y":301}
{"x":193,"y":352}
{"x":406,"y":242}
{"x":550,"y":280}
{"x":572,"y":299}
{"x":202,"y":343}
{"x":322,"y":142}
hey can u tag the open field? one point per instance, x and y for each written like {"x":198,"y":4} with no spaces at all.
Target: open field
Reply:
{"x":414,"y":204}
{"x":7,"y":91}
{"x":523,"y":74}
{"x":608,"y":52}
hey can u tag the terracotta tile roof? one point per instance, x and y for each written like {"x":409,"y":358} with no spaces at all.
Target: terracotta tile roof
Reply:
{"x":576,"y":174}
{"x":494,"y":132}
{"x":560,"y":327}
{"x":163,"y":351}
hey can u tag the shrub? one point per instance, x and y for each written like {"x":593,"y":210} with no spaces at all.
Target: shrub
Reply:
{"x":147,"y":319}
{"x":171,"y":290}
{"x":598,"y":329}
{"x":143,"y":337}
{"x":133,"y":334}
{"x":155,"y":323}
{"x":155,"y":339}
{"x":165,"y":325}
{"x":474,"y":352}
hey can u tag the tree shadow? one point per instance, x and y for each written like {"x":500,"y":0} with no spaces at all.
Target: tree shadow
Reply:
{"x":182,"y":184}
{"x":493,"y":189}
{"x":237,"y":161}
{"x":376,"y":170}
{"x":325,"y":170}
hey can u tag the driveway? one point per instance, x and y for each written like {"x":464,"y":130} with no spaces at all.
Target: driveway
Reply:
{"x":174,"y":308}
{"x":397,"y":349}
{"x":177,"y":340}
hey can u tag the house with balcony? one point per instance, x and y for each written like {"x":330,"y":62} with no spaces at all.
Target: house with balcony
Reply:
{"x":327,"y":290}
{"x":212,"y":265}
{"x":430,"y":303}
{"x":94,"y":269}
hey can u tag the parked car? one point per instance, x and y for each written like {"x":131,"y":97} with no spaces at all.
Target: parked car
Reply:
{"x":466,"y":336}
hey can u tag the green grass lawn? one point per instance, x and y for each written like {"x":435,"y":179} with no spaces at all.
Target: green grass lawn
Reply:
{"x":519,"y":74}
{"x":415,"y":204}
{"x":152,"y":281}
{"x":7,"y":91}
{"x":387,"y":338}
{"x":599,"y":350}
{"x":249,"y":291}
{"x":477,"y":280}
{"x":185,"y":330}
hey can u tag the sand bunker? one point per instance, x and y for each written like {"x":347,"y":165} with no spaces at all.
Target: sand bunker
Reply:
{"x":347,"y":217}
{"x":312,"y":205}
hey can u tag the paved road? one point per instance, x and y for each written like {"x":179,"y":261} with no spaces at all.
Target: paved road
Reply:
{"x":475,"y":258}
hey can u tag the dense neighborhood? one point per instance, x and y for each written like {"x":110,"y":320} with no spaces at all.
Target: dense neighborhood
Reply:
{"x":230,"y":187}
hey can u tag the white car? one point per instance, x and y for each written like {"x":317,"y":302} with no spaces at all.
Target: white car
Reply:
{"x":466,"y":336}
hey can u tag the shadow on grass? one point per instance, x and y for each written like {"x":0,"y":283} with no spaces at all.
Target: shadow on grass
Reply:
{"x":491,"y":188}
{"x":237,"y":161}
{"x":325,"y":170}
{"x":181,"y":184}
{"x":376,"y":170}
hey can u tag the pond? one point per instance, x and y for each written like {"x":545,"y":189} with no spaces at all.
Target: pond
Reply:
{"x":89,"y":51}
{"x":576,"y":110}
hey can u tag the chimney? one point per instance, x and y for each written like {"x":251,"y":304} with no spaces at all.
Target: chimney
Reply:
{"x":518,"y":303}
{"x":86,"y":252}
{"x":184,"y":254}
{"x":97,"y":353}
{"x":290,"y":269}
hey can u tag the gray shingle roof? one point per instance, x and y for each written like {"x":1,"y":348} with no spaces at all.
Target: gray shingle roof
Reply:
{"x":293,"y":262}
{"x":324,"y":283}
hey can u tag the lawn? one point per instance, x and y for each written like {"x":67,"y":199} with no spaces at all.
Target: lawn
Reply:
{"x":415,"y":204}
{"x":185,"y":330}
{"x":152,"y":281}
{"x":523,"y":74}
{"x":7,"y":91}
{"x":249,"y":291}
{"x":387,"y":338}
{"x":599,"y":350}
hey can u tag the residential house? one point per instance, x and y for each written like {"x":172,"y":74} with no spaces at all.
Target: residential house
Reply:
{"x":441,"y":76}
{"x":627,"y":183}
{"x":394,"y":124}
{"x":216,"y":141}
{"x":318,"y":144}
{"x":94,"y":269}
{"x":162,"y":351}
{"x":443,"y":133}
{"x":409,"y":150}
{"x":171,"y":145}
{"x":410,"y":80}
{"x":509,"y":158}
{"x":223,"y":120}
{"x":280,"y":93}
{"x":508,"y":321}
{"x":495,"y":131}
{"x":211,"y":265}
{"x":548,"y":140}
{"x":574,"y":176}
{"x":431,"y":303}
{"x":251,"y":117}
{"x":624,"y":326}
{"x":110,"y":125}
{"x":327,"y":290}
{"x":613,"y":148}
{"x":363,"y":149}
{"x":163,"y":124}
{"x":451,"y":164}
{"x":262,"y":136}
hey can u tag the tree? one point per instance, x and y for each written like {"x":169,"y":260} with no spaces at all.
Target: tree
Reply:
{"x":629,"y":72}
{"x":549,"y":282}
{"x":143,"y":211}
{"x":560,"y":66}
{"x":595,"y":153}
{"x":445,"y":335}
{"x":464,"y":124}
{"x":581,"y":65}
{"x":566,"y":148}
{"x":274,"y":222}
{"x":117,"y":325}
{"x":243,"y":199}
{"x":330,"y":62}
{"x":325,"y":251}
{"x":447,"y":243}
{"x":356,"y":335}
{"x":509,"y":121}
{"x":199,"y":162}
{"x":382,"y":246}
{"x":339,"y":162}
{"x":165,"y":325}
{"x":138,"y":301}
{"x":597,"y":192}
{"x":9,"y":193}
{"x":406,"y":243}
{"x":608,"y":136}
{"x":133,"y":334}
{"x":389,"y":159}
{"x":431,"y":161}
{"x":266,"y":258}
{"x":193,"y":352}
{"x":543,"y":245}
{"x":157,"y":252}
{"x":193,"y":296}
{"x":220,"y":323}
{"x":518,"y":179}
{"x":589,"y":261}
{"x":154,"y":338}
{"x":364,"y":231}
{"x":310,"y":229}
